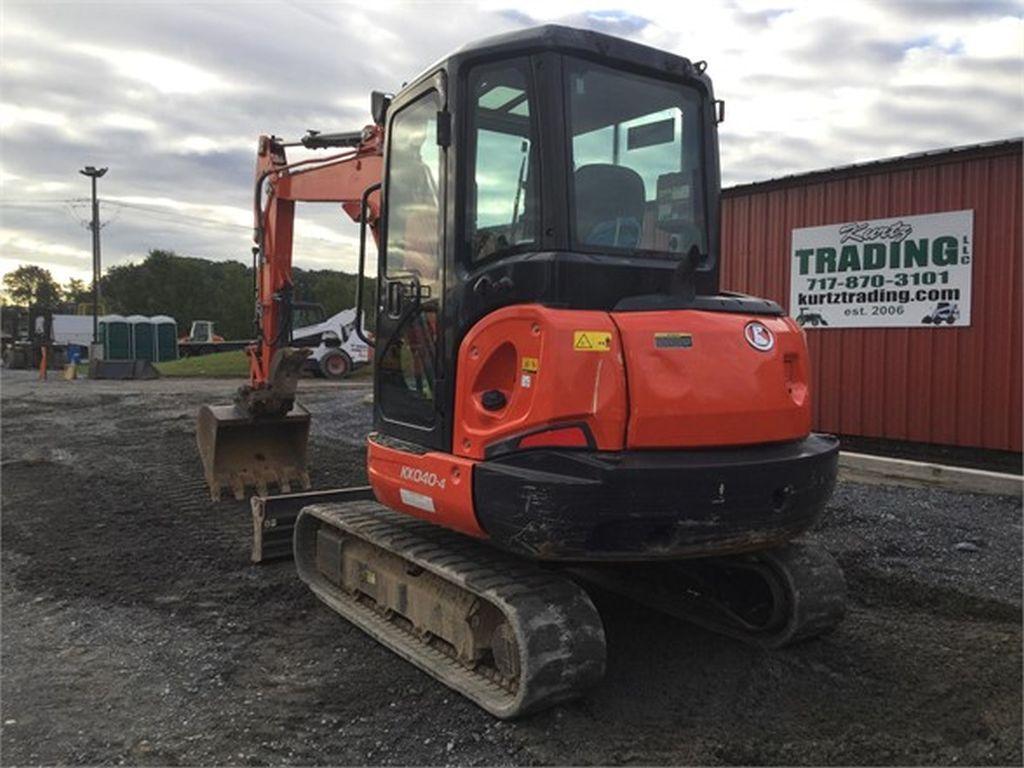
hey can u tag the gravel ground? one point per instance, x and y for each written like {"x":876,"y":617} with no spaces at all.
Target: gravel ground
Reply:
{"x":135,"y":631}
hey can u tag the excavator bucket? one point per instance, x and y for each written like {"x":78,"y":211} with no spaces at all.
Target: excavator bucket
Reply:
{"x":242,"y":451}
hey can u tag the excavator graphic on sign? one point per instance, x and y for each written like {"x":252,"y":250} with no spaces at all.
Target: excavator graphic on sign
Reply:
{"x":813,"y":319}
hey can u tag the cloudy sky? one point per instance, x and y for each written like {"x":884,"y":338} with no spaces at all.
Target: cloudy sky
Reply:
{"x":171,"y":96}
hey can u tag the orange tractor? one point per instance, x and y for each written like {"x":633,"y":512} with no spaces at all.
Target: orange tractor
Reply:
{"x":562,"y":393}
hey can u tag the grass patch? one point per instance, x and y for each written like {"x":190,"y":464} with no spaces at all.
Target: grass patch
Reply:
{"x":232,"y":364}
{"x":227,"y":365}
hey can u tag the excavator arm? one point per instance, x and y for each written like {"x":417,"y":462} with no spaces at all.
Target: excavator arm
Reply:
{"x":261,"y":440}
{"x":274,"y":367}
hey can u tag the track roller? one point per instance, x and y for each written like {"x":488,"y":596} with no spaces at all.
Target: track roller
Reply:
{"x":770,"y":599}
{"x":508,"y":634}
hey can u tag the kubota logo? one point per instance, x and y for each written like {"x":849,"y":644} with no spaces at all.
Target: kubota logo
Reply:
{"x":759,"y":337}
{"x":422,"y":477}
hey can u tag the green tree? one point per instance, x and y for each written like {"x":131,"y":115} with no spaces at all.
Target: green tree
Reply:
{"x":185,"y":288}
{"x":76,"y":291}
{"x":33,"y":286}
{"x":222,"y":291}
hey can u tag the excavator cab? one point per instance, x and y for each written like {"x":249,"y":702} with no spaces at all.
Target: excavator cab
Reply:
{"x":555,"y":361}
{"x":552,"y":167}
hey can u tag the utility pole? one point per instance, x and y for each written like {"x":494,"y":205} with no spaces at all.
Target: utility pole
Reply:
{"x":95,"y":173}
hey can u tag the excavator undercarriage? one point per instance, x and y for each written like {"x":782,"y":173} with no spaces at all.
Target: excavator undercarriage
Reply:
{"x":508,"y":634}
{"x":515,"y":636}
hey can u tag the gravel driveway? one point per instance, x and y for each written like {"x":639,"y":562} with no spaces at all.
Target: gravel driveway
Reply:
{"x":136,"y":631}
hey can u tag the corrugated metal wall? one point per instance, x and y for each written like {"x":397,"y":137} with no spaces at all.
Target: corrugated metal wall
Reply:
{"x":948,"y":386}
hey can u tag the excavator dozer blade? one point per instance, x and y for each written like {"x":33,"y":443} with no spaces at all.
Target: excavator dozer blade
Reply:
{"x":241,"y":451}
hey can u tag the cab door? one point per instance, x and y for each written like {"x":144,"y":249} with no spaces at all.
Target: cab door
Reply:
{"x":409,"y":372}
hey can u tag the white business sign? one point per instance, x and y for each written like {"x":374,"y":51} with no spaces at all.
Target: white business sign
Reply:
{"x":907,"y":272}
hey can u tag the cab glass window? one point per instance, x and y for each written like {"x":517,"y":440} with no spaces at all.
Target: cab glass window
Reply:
{"x":414,"y":213}
{"x":503,"y":196}
{"x":411,"y":291}
{"x":637,"y":180}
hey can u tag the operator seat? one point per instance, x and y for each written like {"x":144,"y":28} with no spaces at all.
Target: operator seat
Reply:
{"x":610,"y":203}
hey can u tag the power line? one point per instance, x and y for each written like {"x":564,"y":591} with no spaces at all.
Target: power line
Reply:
{"x":166,"y":215}
{"x":34,"y":203}
{"x":76,"y":216}
{"x":188,"y":218}
{"x":184,"y":218}
{"x":111,"y":220}
{"x":70,"y":203}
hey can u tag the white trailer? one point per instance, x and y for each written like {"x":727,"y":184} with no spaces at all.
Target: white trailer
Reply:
{"x":70,"y":329}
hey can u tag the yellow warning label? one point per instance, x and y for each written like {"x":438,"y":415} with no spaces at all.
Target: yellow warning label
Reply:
{"x":531,"y":365}
{"x":591,"y":341}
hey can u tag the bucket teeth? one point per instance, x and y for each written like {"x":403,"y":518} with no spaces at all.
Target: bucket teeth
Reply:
{"x":241,"y":452}
{"x":263,"y":483}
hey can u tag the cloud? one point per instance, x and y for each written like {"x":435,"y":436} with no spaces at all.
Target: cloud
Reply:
{"x":162,"y":73}
{"x":127,"y":122}
{"x":13,"y":118}
{"x":172,"y":98}
{"x":19,"y":247}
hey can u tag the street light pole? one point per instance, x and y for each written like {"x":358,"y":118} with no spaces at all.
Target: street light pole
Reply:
{"x":95,"y":173}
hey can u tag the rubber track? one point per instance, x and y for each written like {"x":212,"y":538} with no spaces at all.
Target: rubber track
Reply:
{"x":558,"y":630}
{"x":814,"y":586}
{"x":817,"y":591}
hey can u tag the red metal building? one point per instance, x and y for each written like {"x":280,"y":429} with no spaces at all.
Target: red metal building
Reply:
{"x":949,"y":386}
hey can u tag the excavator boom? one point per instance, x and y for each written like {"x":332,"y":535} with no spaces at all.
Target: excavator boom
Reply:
{"x":260,"y":441}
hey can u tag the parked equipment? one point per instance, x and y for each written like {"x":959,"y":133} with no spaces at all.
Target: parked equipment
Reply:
{"x":202,"y":340}
{"x":336,"y":348}
{"x":557,"y":376}
{"x":30,"y":339}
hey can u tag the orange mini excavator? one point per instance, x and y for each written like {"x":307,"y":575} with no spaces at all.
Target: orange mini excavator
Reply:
{"x":562,"y":394}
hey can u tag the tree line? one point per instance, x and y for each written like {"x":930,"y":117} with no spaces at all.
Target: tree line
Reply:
{"x":182,"y":287}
